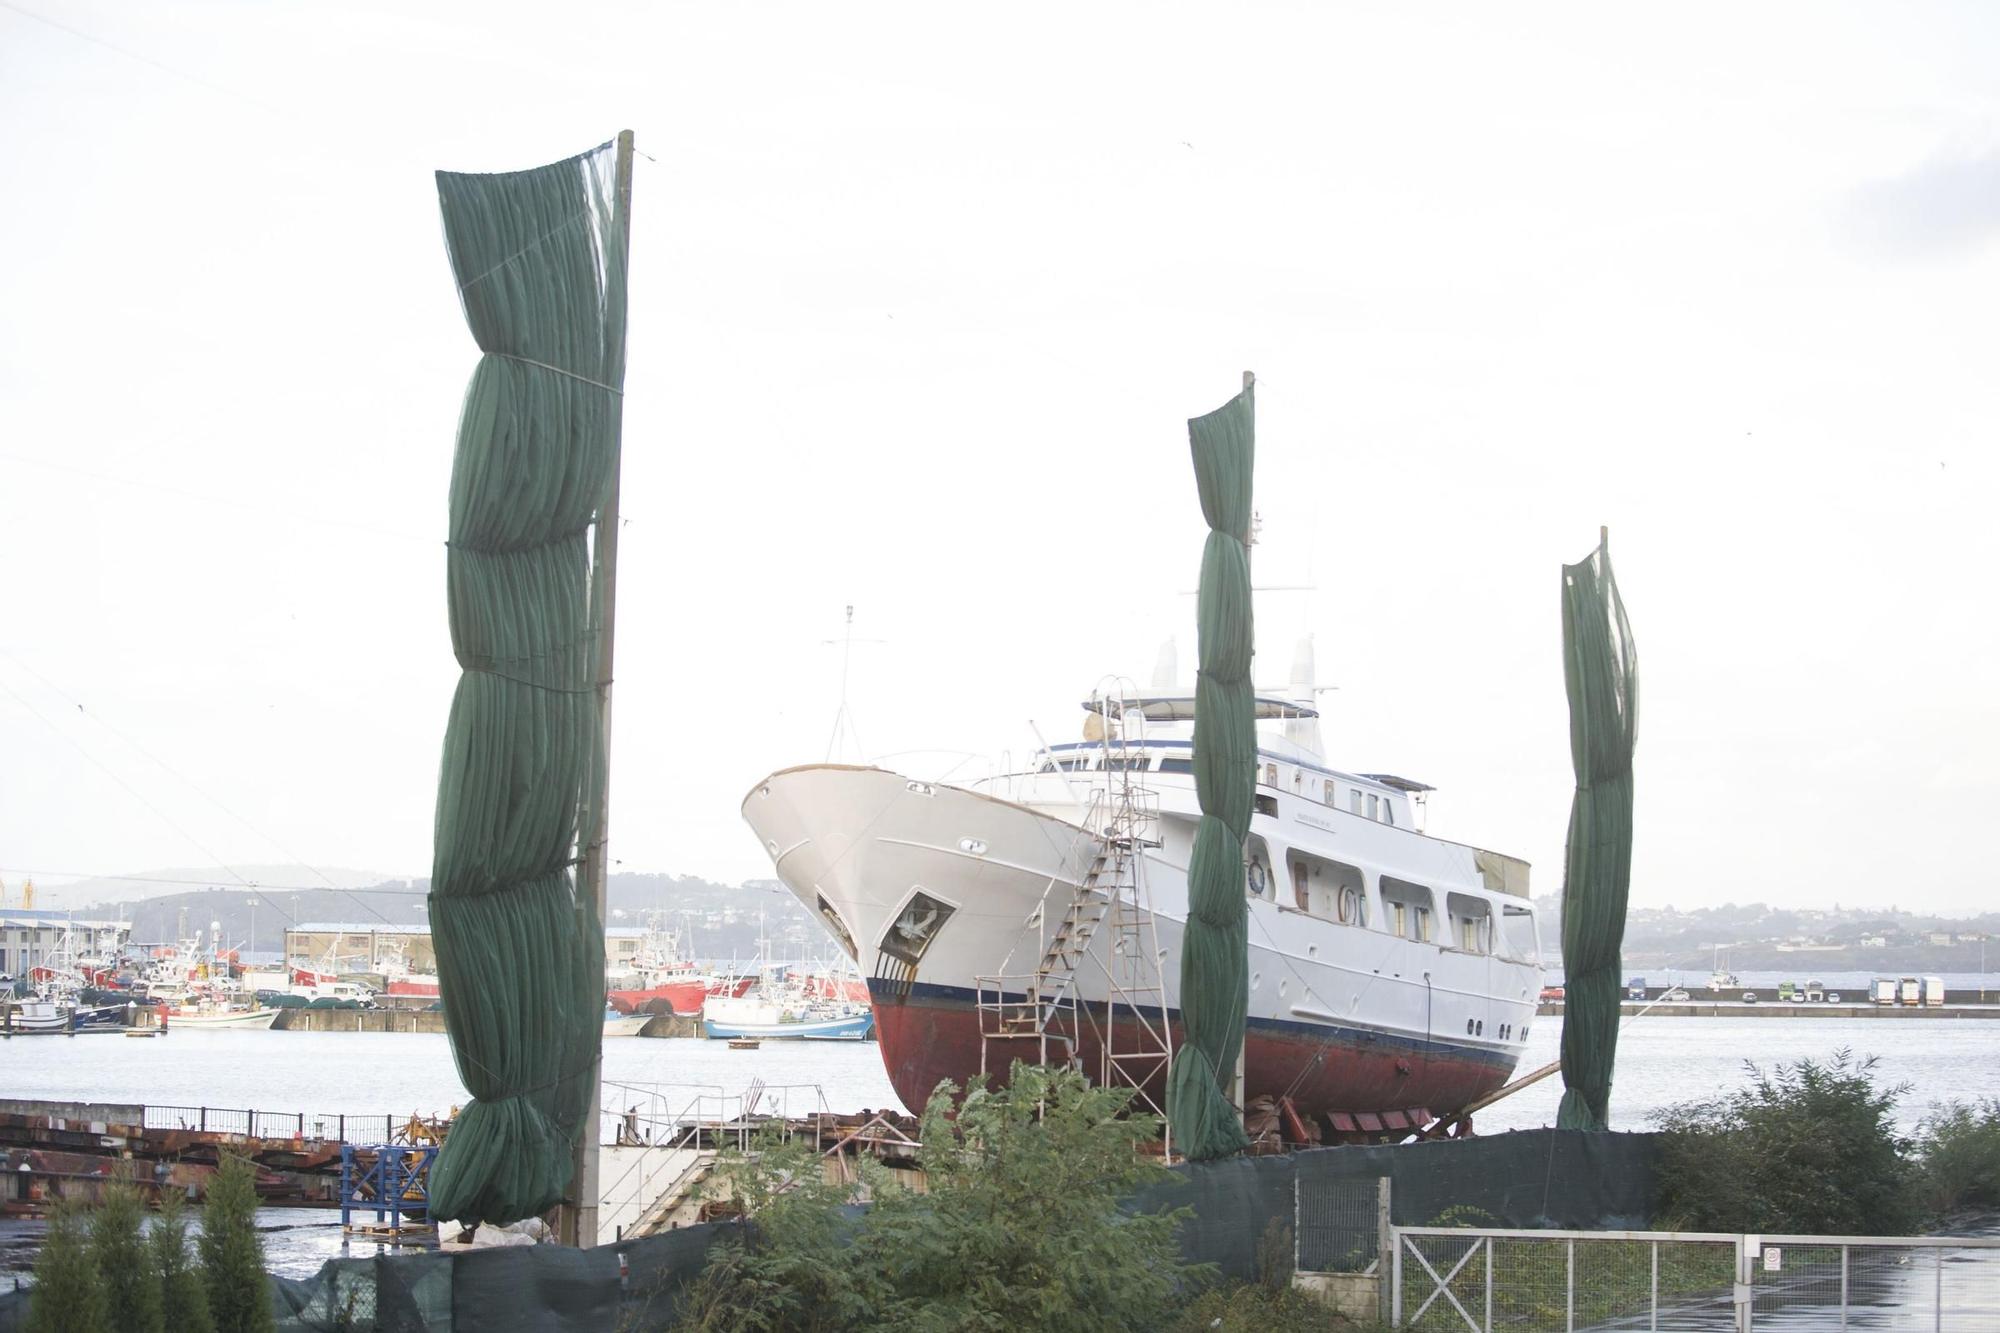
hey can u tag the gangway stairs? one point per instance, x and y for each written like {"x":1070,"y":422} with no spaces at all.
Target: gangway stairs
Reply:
{"x":1131,"y":1039}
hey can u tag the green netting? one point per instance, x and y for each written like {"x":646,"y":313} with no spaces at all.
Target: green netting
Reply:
{"x":540,"y":266}
{"x":1601,"y":672}
{"x":1215,"y":983}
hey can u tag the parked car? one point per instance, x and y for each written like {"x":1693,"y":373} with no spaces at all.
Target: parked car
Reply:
{"x":1677,"y":995}
{"x":1749,"y":997}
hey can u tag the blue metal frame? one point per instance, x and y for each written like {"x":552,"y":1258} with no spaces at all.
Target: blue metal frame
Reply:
{"x":397,"y":1169}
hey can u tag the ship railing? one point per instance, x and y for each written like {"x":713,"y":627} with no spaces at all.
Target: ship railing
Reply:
{"x":307,"y":1126}
{"x":655,"y":1114}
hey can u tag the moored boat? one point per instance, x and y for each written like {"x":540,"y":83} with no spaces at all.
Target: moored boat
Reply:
{"x":785,"y":1013}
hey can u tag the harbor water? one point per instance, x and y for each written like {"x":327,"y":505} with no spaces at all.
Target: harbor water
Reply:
{"x":1661,"y":1061}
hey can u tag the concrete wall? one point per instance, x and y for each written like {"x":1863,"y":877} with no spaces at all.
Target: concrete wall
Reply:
{"x":359,"y":1020}
{"x":110,"y":1113}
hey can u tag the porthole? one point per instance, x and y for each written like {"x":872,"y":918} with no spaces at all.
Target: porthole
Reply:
{"x":1284,"y":987}
{"x":1312,"y":951}
{"x":1256,"y":980}
{"x":1468,"y":1027}
{"x":972,"y":846}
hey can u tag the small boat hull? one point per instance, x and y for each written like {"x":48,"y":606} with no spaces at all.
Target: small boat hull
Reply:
{"x":223,"y":1018}
{"x":625,"y":1025}
{"x":854,"y":1027}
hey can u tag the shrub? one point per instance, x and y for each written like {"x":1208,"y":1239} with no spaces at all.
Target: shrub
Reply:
{"x":1258,"y":1308}
{"x":1018,"y":1227}
{"x":68,"y":1296}
{"x":232,"y":1256}
{"x":183,"y":1298}
{"x":1958,"y":1156}
{"x":125,"y":1266}
{"x":1809,"y":1147}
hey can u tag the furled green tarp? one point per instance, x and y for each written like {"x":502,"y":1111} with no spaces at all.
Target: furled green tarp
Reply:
{"x":1601,"y":672}
{"x":520,"y":951}
{"x":1215,"y":983}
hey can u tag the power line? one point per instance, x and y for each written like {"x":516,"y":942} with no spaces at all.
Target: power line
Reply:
{"x":183,"y":778}
{"x":46,"y":873}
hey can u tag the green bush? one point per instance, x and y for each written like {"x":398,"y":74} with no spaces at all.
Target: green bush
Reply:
{"x":68,"y":1297}
{"x":1810,"y":1147}
{"x":232,"y":1255}
{"x":1018,"y":1227}
{"x":1958,"y":1156}
{"x":124,"y":1262}
{"x":1257,"y":1307}
{"x":183,"y":1298}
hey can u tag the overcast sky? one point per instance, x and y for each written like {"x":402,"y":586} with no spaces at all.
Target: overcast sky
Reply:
{"x":923,"y":297}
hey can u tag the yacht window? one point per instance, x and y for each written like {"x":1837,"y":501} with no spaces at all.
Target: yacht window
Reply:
{"x":1329,"y":791}
{"x":1354,"y":800}
{"x":1300,"y":894}
{"x":1518,"y":936}
{"x":1406,"y":901}
{"x":1388,"y":811}
{"x":1374,"y":806}
{"x":1398,"y":914}
{"x":1471,"y":922}
{"x":1176,"y":766}
{"x":1270,"y":775}
{"x":1265,"y":805}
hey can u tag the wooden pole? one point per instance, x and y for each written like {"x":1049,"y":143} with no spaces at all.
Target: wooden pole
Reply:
{"x":577,"y":1224}
{"x":1236,"y":1080}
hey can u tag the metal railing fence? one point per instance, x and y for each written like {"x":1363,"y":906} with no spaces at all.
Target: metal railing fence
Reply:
{"x":305,"y":1125}
{"x":1486,"y":1280}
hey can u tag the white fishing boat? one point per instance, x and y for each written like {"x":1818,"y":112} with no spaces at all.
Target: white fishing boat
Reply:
{"x":624,"y":1025}
{"x":220,"y":1016}
{"x":1393,"y":975}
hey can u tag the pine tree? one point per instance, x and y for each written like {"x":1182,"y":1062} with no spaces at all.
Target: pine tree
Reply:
{"x":232,"y":1255}
{"x":124,"y":1266}
{"x":183,"y":1298}
{"x":68,"y":1296}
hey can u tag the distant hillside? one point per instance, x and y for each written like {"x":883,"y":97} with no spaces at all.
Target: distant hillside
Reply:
{"x":715,"y":920}
{"x":144,"y":885}
{"x":1756,"y":937}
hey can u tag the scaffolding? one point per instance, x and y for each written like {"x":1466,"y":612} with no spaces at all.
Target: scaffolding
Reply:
{"x":1127,"y":1032}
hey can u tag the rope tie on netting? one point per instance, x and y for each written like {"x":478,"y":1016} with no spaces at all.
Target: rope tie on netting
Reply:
{"x":530,"y":361}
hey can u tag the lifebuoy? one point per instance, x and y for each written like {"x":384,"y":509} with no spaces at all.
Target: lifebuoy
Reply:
{"x":1350,"y":905}
{"x":1259,"y":877}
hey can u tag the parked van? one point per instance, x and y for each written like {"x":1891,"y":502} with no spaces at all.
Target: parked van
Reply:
{"x":1815,"y":991}
{"x":1635,"y":989}
{"x":1933,"y":990}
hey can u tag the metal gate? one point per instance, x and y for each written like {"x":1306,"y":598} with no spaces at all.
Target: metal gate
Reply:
{"x":1478,"y":1280}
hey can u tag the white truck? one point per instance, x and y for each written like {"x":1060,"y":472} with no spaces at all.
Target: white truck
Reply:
{"x":1910,"y":991}
{"x":1933,"y":991}
{"x":1884,"y":990}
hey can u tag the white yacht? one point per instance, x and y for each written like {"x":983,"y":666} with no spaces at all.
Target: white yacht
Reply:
{"x":1038,"y":914}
